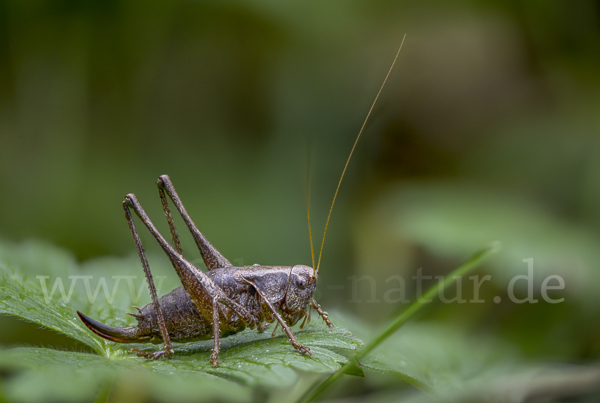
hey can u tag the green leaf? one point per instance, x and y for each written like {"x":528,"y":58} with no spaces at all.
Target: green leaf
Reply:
{"x":440,"y":359}
{"x":257,"y":359}
{"x":248,"y":358}
{"x":401,"y":319}
{"x":52,"y":375}
{"x":19,"y":299}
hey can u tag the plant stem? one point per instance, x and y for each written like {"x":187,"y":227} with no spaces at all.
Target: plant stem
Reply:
{"x":460,"y":271}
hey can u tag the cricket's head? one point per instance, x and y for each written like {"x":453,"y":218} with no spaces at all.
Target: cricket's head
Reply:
{"x":299,"y":293}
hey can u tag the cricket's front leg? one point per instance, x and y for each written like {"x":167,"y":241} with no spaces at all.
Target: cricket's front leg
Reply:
{"x":322,"y":313}
{"x":280,"y":320}
{"x":286,"y":329}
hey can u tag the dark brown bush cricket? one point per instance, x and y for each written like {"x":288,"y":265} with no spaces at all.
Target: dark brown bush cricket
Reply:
{"x":226,"y":299}
{"x":221,"y":302}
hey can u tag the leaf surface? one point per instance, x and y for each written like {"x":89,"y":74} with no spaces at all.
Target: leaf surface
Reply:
{"x":247,"y":359}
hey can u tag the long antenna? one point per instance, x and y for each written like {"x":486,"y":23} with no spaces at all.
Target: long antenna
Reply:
{"x":312,"y":251}
{"x":352,"y":151}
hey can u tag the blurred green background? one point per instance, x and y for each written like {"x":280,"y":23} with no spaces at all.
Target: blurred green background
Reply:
{"x":487,"y":130}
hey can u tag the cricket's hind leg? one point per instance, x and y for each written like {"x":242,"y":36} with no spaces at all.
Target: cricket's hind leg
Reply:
{"x":159,"y":315}
{"x":201,"y":289}
{"x":211,"y":256}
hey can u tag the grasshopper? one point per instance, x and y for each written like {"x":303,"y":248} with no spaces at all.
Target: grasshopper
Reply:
{"x":226,"y":299}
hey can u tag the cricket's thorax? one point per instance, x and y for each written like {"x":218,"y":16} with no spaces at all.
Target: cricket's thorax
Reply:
{"x":287,"y":289}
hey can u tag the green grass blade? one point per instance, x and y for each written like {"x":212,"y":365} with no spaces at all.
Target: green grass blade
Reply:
{"x":467,"y":266}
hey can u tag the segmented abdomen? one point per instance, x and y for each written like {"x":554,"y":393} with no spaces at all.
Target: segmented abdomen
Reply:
{"x":183,"y":320}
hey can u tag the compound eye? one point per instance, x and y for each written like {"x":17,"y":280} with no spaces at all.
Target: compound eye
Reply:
{"x":301,"y":283}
